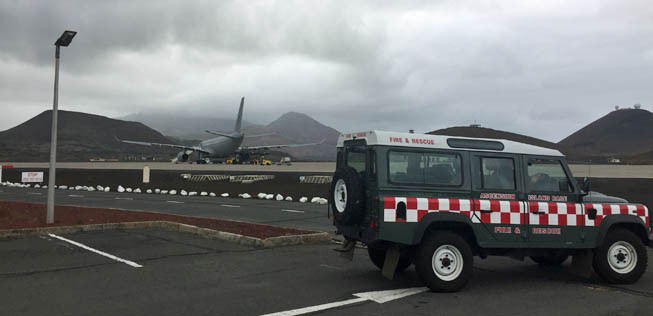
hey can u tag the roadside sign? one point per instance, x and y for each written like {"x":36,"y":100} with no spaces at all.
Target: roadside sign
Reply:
{"x":32,"y":177}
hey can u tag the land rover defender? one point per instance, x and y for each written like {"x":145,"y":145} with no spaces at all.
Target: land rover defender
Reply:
{"x":439,"y":201}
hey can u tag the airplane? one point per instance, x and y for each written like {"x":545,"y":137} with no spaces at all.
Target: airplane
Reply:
{"x":223,"y":146}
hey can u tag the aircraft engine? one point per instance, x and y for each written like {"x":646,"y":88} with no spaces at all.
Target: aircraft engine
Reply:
{"x":182,"y":156}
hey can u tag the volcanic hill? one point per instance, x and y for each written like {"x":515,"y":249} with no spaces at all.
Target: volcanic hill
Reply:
{"x":621,"y":134}
{"x":81,"y":136}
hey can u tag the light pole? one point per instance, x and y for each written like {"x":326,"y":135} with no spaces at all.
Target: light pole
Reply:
{"x":64,"y":40}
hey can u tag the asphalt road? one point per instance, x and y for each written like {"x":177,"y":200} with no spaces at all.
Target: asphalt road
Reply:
{"x":596,"y":171}
{"x":278,"y":213}
{"x":183,"y":274}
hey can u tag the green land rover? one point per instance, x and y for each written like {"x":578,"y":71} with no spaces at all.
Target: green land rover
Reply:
{"x":438,"y":201}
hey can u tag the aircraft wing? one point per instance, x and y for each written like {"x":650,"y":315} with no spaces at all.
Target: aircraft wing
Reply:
{"x":194,"y":148}
{"x":251,"y":148}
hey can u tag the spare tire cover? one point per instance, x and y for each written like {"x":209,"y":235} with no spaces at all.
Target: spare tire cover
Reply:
{"x":347,"y":196}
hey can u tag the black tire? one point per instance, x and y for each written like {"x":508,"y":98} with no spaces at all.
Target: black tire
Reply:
{"x":348,"y":201}
{"x":624,"y":244}
{"x":378,"y":258}
{"x":446,"y":244}
{"x":550,"y":260}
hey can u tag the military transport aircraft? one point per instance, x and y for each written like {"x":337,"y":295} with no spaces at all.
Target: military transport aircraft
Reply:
{"x":223,"y":146}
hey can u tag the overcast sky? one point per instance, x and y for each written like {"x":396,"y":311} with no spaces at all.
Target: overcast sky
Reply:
{"x":541,"y":68}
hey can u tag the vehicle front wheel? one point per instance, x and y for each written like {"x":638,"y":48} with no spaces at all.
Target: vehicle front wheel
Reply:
{"x":377,"y":256}
{"x":621,"y":259}
{"x":444,"y":261}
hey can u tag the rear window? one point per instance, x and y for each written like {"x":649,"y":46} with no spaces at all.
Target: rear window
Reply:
{"x":356,"y":160}
{"x":424,"y":168}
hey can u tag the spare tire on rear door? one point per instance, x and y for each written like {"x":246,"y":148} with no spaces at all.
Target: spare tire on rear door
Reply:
{"x":347,"y":196}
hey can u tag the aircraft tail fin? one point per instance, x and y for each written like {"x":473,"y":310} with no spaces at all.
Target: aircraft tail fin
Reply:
{"x":239,"y":119}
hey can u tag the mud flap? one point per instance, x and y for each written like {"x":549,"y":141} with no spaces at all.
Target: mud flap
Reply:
{"x":391,"y":261}
{"x":347,"y":250}
{"x":581,"y":264}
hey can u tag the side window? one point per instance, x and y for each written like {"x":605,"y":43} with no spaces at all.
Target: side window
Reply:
{"x":498,"y":173}
{"x":443,"y":169}
{"x":547,"y":175}
{"x":425,"y":168}
{"x":406,"y":167}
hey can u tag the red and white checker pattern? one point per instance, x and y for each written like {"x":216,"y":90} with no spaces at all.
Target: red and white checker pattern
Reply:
{"x":603,"y":210}
{"x":555,"y":214}
{"x":416,"y":208}
{"x":510,"y":212}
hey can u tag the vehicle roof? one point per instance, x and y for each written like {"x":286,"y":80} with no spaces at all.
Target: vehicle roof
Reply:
{"x":398,"y":139}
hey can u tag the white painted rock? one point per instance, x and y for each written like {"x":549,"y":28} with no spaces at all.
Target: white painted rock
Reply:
{"x":137,"y":190}
{"x":63,"y":187}
{"x":99,"y":188}
{"x":323,"y":201}
{"x":173,"y":192}
{"x":71,"y":188}
{"x":226,"y":195}
{"x":303,"y":199}
{"x":288,"y":198}
{"x":183,"y":192}
{"x":129,"y":190}
{"x":157,"y":191}
{"x":164,"y":191}
{"x":203,"y":193}
{"x":279,"y":197}
{"x":121,"y":189}
{"x":107,"y":189}
{"x":192,"y":193}
{"x":269,"y":197}
{"x":261,"y":195}
{"x":245,"y":196}
{"x":212,"y":194}
{"x":149,"y":191}
{"x":44,"y":187}
{"x":90,"y":189}
{"x":37,"y":186}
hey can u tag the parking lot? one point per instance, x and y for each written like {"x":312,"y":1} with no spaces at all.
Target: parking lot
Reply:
{"x":186,"y":274}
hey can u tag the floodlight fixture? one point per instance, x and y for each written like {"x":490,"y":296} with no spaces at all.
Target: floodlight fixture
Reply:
{"x":65,"y":38}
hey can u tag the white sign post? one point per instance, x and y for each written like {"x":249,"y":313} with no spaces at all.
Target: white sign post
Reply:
{"x":0,"y":173}
{"x":31,"y":177}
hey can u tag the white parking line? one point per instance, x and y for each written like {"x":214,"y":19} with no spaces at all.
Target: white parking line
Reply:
{"x":119,"y":198}
{"x":176,"y":202}
{"x":110,"y":256}
{"x":292,"y":211}
{"x":33,"y":193}
{"x":75,"y":195}
{"x":228,"y":205}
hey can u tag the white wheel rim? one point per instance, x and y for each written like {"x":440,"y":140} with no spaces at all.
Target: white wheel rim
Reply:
{"x":622,"y":257}
{"x":447,"y":262}
{"x":340,"y":195}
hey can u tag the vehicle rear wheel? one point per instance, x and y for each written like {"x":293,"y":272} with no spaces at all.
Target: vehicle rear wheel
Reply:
{"x":444,"y":261}
{"x":621,"y":259}
{"x":347,"y":196}
{"x":378,"y":258}
{"x":550,"y":260}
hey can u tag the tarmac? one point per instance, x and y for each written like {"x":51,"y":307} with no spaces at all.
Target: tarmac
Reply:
{"x":172,"y":273}
{"x":578,"y":170}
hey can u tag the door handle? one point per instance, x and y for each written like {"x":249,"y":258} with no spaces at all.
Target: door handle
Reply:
{"x":538,"y":212}
{"x":485,"y":211}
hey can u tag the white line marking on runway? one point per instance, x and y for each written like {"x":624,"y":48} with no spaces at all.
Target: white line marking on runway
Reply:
{"x":33,"y":193}
{"x":176,"y":202}
{"x":292,"y":211}
{"x":377,"y":296}
{"x":228,"y":205}
{"x":128,"y":199}
{"x":110,"y":256}
{"x":75,"y":195}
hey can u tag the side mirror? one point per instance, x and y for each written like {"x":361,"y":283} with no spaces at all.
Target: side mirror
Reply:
{"x":586,"y":186}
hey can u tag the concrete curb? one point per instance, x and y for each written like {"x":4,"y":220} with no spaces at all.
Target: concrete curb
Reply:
{"x":271,"y":242}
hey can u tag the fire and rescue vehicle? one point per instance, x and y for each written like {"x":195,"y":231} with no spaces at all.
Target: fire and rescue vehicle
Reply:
{"x":438,"y":201}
